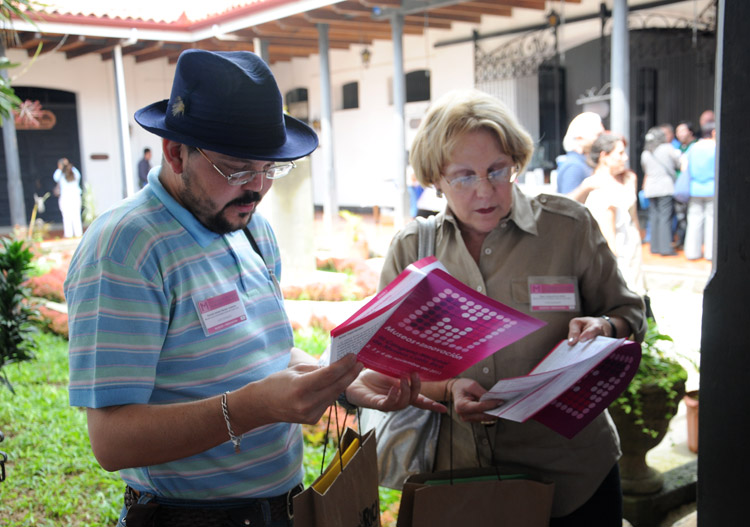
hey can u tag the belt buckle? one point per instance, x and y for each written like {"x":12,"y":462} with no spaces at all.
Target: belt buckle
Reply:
{"x":290,"y":494}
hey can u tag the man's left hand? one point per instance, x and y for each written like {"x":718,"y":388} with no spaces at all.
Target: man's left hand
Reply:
{"x":372,"y":389}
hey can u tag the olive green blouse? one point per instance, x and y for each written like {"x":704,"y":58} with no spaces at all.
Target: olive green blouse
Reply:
{"x":550,"y":239}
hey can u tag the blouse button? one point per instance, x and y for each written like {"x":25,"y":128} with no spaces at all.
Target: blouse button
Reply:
{"x":485,"y":370}
{"x":488,"y":251}
{"x":479,"y":288}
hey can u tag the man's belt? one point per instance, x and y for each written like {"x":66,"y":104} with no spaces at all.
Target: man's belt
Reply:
{"x":167,"y":512}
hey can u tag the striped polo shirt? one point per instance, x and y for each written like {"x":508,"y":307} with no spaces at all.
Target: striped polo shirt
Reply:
{"x":132,"y":290}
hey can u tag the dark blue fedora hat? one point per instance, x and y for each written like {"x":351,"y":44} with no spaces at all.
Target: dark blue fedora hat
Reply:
{"x":228,"y":102}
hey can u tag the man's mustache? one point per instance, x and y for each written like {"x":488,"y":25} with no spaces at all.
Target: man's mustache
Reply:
{"x":246,"y":199}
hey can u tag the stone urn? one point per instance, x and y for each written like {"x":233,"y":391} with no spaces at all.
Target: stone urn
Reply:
{"x":636,"y":476}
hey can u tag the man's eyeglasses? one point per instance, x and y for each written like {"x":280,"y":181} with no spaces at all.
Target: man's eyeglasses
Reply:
{"x":471,"y":181}
{"x":240,"y":178}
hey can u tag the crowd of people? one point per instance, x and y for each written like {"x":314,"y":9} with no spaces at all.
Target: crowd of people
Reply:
{"x":677,"y":188}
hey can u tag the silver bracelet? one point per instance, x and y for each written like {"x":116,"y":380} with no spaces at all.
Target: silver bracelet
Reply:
{"x":235,"y":440}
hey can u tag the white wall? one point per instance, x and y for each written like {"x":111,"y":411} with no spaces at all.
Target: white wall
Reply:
{"x":93,"y":82}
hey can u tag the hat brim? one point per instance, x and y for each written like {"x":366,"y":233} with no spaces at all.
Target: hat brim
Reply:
{"x":301,"y":140}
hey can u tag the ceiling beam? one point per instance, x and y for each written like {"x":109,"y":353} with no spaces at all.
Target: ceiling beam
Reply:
{"x":98,"y":45}
{"x":471,"y":9}
{"x":160,"y":53}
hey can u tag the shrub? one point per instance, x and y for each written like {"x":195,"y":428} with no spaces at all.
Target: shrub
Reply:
{"x":16,"y":313}
{"x":49,"y":285}
{"x":54,"y":321}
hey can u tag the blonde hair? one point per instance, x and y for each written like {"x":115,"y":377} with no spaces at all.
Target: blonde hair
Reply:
{"x":455,"y":114}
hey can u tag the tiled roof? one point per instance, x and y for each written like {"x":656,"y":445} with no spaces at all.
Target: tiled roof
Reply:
{"x":160,"y":11}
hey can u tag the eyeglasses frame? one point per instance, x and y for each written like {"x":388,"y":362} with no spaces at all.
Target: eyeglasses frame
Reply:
{"x":235,"y":181}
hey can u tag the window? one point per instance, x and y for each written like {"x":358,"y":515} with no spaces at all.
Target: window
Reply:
{"x":418,"y":86}
{"x":296,"y":104}
{"x":350,"y":94}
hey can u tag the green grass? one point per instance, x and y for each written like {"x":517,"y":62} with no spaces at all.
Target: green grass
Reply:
{"x":52,"y":476}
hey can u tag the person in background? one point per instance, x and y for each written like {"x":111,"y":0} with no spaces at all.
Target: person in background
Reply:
{"x":613,"y":205}
{"x":144,"y":165}
{"x":574,"y":167}
{"x":68,"y":192}
{"x":660,"y":161}
{"x":700,"y":162}
{"x":180,"y":348}
{"x":687,"y":135}
{"x":707,"y":116}
{"x":494,"y":238}
{"x":669,"y":133}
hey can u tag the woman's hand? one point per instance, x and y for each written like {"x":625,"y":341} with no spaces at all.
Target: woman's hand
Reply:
{"x":581,"y":329}
{"x":372,"y":389}
{"x":465,"y":394}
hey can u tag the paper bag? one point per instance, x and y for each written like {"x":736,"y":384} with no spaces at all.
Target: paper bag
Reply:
{"x":476,"y":497}
{"x":351,"y":499}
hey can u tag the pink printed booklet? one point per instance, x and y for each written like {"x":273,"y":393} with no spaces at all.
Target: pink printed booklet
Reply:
{"x":428,"y":322}
{"x":570,"y":386}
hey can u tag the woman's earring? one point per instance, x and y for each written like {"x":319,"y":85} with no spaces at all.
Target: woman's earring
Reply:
{"x":438,"y":193}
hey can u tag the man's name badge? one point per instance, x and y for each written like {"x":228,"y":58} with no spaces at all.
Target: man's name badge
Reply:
{"x":220,"y":312}
{"x":553,"y":293}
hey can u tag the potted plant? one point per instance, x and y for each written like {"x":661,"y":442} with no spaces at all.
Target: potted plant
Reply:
{"x":643,"y":412}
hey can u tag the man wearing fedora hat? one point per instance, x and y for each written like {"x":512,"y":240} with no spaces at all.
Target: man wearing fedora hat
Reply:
{"x":180,"y":349}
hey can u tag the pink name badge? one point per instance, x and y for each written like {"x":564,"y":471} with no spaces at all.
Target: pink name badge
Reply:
{"x":220,"y":312}
{"x":552,"y":297}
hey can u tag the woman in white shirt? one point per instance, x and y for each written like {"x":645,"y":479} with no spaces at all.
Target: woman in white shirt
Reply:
{"x":613,"y":205}
{"x":68,"y":180}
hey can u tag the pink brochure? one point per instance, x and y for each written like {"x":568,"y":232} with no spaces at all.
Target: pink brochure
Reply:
{"x":571,"y":386}
{"x":428,"y":322}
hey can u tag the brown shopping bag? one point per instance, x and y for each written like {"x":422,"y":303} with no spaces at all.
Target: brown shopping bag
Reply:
{"x":348,"y":497}
{"x":477,"y":496}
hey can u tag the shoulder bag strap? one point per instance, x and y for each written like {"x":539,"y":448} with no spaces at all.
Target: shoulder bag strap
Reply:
{"x":426,"y":232}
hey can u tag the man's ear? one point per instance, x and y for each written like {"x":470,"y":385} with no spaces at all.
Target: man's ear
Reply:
{"x":173,"y":154}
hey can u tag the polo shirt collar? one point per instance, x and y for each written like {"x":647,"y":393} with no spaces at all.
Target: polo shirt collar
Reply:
{"x":203,"y":236}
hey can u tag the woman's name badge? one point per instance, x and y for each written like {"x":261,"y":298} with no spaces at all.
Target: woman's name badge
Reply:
{"x":220,"y":312}
{"x":553,"y":293}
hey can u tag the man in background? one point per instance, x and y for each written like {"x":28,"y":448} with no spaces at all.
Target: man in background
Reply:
{"x":144,"y":165}
{"x":574,"y":167}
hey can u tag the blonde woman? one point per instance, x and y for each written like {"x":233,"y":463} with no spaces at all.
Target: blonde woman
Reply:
{"x":494,"y":238}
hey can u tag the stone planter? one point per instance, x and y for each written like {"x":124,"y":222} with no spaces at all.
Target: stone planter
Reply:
{"x":635,"y":474}
{"x":691,"y":404}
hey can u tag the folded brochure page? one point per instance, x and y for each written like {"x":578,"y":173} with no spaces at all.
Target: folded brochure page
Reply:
{"x":428,"y":322}
{"x":570,"y":386}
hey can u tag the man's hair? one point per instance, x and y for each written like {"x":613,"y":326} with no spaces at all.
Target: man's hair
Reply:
{"x":580,"y":126}
{"x":690,"y":126}
{"x":455,"y":114}
{"x":667,"y":126}
{"x":146,"y":150}
{"x":707,"y":129}
{"x":654,"y":137}
{"x":605,"y":143}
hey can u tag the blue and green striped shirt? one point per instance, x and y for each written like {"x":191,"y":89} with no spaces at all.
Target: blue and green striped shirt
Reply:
{"x":136,"y":338}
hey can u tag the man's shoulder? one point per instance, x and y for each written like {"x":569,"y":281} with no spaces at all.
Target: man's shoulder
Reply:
{"x":127,"y":226}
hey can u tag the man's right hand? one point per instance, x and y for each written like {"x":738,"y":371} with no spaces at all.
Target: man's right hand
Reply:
{"x":298,"y":394}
